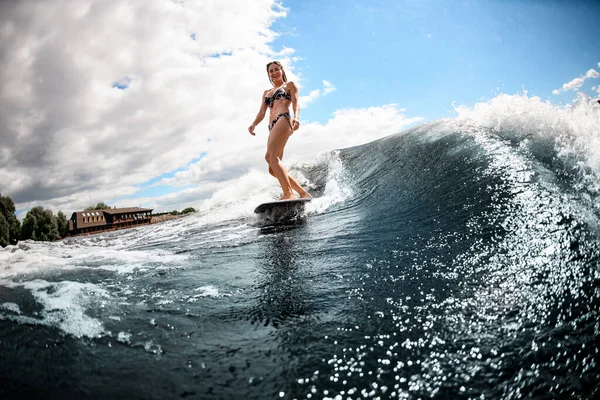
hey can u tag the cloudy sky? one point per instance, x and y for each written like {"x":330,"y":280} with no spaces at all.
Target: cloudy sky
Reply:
{"x":148,"y":102}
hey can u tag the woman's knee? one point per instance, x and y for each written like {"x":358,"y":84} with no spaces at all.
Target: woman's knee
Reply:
{"x":271,"y":157}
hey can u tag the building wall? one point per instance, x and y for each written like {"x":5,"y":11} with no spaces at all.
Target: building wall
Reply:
{"x":87,"y":222}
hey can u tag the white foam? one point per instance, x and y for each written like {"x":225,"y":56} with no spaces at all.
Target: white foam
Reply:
{"x":205,"y":291}
{"x":30,"y":257}
{"x":124,"y":337}
{"x":13,"y":307}
{"x":573,"y":128}
{"x":64,"y":305}
{"x":240,"y":197}
{"x":337,"y":189}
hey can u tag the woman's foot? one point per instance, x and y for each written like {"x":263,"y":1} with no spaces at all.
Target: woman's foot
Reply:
{"x":288,"y":197}
{"x":305,"y":195}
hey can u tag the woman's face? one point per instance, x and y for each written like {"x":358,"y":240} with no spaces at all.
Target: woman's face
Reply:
{"x":275,"y":72}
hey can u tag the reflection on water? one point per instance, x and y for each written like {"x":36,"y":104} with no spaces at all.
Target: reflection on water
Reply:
{"x":282,"y":282}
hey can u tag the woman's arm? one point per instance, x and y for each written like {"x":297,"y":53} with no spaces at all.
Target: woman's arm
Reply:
{"x":295,"y":104}
{"x":261,"y":114}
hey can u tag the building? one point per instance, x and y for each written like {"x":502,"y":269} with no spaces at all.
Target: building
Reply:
{"x":85,"y":222}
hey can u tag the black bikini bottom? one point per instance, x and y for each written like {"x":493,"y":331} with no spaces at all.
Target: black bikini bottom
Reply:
{"x":285,"y":114}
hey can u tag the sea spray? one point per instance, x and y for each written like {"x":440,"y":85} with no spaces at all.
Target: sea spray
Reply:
{"x":567,"y":134}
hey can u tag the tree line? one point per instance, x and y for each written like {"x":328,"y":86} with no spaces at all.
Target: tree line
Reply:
{"x":187,"y":210}
{"x":40,"y":224}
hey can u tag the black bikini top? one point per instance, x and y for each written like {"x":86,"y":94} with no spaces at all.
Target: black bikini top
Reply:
{"x":279,"y":94}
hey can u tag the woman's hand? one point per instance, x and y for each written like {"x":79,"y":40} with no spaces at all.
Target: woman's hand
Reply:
{"x":295,"y":124}
{"x":251,"y":130}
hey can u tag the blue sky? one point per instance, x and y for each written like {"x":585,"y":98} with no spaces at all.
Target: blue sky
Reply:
{"x":425,"y":55}
{"x":148,"y":103}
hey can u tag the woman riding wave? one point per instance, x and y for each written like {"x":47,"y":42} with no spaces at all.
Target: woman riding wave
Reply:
{"x":281,"y":127}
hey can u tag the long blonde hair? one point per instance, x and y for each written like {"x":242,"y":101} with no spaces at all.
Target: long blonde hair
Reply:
{"x":282,"y":71}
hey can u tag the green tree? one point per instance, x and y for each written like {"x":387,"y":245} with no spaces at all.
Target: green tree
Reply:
{"x":174,"y":212}
{"x":62,"y":224}
{"x":28,"y":226}
{"x":4,"y":231}
{"x":188,"y":210}
{"x":11,"y":224}
{"x":39,"y":224}
{"x":99,"y":206}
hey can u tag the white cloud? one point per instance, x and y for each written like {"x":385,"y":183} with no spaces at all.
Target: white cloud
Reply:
{"x":311,"y":97}
{"x":328,"y":87}
{"x":316,"y":93}
{"x":576,"y":83}
{"x":98,"y":98}
{"x":347,"y":128}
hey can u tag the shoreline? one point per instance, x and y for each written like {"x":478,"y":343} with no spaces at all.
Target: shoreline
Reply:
{"x":165,"y":217}
{"x":154,"y":220}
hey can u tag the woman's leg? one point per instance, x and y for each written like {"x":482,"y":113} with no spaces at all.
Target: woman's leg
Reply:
{"x":299,"y":189}
{"x":295,"y":185}
{"x":278,"y":138}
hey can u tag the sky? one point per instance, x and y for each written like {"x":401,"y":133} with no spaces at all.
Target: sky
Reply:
{"x":147,"y":103}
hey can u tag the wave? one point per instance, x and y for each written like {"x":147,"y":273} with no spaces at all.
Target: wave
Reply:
{"x":555,"y":145}
{"x":564,"y":140}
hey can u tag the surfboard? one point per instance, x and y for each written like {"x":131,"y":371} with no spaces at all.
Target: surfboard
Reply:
{"x":282,"y":209}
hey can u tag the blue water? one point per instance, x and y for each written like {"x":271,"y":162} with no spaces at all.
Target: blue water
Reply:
{"x":457,"y":259}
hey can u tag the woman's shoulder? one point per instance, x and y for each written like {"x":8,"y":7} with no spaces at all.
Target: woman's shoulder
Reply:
{"x":291,"y":85}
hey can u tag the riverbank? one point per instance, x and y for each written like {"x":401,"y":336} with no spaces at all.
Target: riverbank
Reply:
{"x":165,"y":217}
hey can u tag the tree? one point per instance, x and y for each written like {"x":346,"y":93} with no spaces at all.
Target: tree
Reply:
{"x":62,"y":224}
{"x":174,"y":212}
{"x":99,"y":206}
{"x":188,"y":210}
{"x":10,"y":225}
{"x":39,"y":224}
{"x":4,"y":231}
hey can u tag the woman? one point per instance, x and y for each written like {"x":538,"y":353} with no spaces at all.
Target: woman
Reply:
{"x":278,"y":100}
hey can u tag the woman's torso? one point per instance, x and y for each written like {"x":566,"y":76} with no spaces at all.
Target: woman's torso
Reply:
{"x":278,"y":100}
